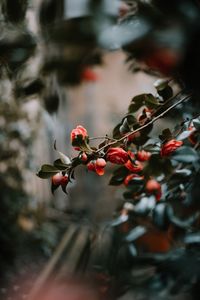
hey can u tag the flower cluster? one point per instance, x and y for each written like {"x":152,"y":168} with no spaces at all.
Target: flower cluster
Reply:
{"x":133,"y":162}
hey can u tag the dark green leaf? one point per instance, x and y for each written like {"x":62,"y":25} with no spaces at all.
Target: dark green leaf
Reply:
{"x":141,"y":140}
{"x":47,"y":171}
{"x":124,"y":128}
{"x":166,"y":135}
{"x":60,"y":165}
{"x":116,"y":132}
{"x":131,"y":119}
{"x":135,"y":233}
{"x":185,"y":154}
{"x":151,"y":101}
{"x":136,"y":103}
{"x":119,"y":176}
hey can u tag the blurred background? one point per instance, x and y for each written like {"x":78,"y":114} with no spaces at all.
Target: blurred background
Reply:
{"x":36,"y":110}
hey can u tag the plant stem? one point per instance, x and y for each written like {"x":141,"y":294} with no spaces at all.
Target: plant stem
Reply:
{"x":145,"y":125}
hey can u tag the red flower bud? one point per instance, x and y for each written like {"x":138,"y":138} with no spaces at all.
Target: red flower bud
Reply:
{"x":143,"y":155}
{"x":89,"y":75}
{"x":60,"y":179}
{"x":64,"y":180}
{"x":130,"y":177}
{"x":79,"y":131}
{"x":134,"y":167}
{"x":117,"y":156}
{"x":57,"y":179}
{"x":154,"y":187}
{"x":97,"y":166}
{"x":91,"y":165}
{"x":100,"y":163}
{"x":78,"y":136}
{"x":83,"y":157}
{"x":170,"y":147}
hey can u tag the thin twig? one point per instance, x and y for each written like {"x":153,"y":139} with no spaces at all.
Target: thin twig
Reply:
{"x":102,"y":138}
{"x":145,"y":125}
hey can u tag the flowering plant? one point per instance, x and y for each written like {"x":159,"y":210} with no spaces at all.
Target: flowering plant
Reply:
{"x":149,"y":167}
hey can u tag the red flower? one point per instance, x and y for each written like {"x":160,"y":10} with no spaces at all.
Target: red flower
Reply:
{"x":130,"y":177}
{"x":154,"y":187}
{"x":170,"y":147}
{"x":79,"y":137}
{"x":97,"y":166}
{"x":79,"y":131}
{"x":143,"y":155}
{"x":117,"y":156}
{"x":135,"y":166}
{"x":89,"y":75}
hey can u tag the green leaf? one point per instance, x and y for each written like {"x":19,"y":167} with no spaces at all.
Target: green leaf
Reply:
{"x":118,"y":176}
{"x":60,"y":165}
{"x":47,"y":171}
{"x":116,"y":132}
{"x":184,"y":135}
{"x":153,"y":148}
{"x":131,"y":119}
{"x":185,"y":154}
{"x":196,"y":123}
{"x":157,"y":166}
{"x":141,"y":140}
{"x":151,"y":101}
{"x":136,"y":103}
{"x":124,"y":128}
{"x":166,"y":135}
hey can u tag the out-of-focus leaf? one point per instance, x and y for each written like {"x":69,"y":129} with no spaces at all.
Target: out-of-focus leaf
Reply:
{"x":119,"y":176}
{"x":181,"y":223}
{"x":183,"y":172}
{"x":166,"y":135}
{"x":157,"y":166}
{"x":196,"y":123}
{"x":135,"y":233}
{"x":120,"y":220}
{"x":192,"y":238}
{"x":132,"y":250}
{"x":185,"y":154}
{"x":145,"y":205}
{"x":153,"y":148}
{"x":159,"y":216}
{"x":184,"y":135}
